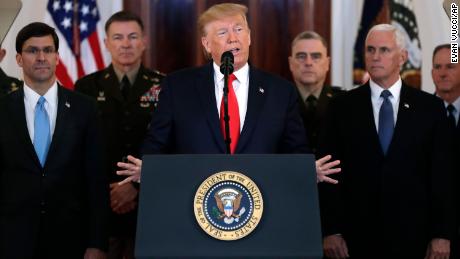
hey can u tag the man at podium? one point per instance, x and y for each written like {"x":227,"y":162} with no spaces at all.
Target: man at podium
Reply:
{"x":264,"y":117}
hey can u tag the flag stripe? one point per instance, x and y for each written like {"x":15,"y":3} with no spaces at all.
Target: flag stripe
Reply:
{"x":62,"y":76}
{"x":97,"y":53}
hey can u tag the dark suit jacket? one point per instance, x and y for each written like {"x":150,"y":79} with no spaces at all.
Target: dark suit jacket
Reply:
{"x":187,"y":120}
{"x":389,"y":206}
{"x":61,"y":209}
{"x":124,"y":124}
{"x":313,"y":122}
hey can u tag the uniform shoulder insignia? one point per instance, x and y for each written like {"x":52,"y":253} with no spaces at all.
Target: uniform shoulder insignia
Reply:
{"x":159,"y":73}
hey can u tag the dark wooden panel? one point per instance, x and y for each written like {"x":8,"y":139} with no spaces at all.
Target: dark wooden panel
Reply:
{"x":175,"y":42}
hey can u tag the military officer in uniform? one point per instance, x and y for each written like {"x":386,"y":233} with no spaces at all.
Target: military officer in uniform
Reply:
{"x":127,"y":94}
{"x":7,"y":84}
{"x":309,"y":64}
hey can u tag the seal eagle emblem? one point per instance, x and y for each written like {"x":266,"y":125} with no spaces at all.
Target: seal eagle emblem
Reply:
{"x":228,"y":205}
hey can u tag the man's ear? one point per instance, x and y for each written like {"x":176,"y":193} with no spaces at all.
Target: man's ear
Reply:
{"x":19,"y":59}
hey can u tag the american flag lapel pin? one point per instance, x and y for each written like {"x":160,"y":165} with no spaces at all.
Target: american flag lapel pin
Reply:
{"x":261,"y":90}
{"x":67,"y":104}
{"x":406,"y":105}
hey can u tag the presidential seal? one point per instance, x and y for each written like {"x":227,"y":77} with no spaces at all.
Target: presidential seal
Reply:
{"x":228,"y":205}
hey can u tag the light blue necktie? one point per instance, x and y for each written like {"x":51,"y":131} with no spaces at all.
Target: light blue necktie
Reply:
{"x":42,"y":136}
{"x":386,"y":121}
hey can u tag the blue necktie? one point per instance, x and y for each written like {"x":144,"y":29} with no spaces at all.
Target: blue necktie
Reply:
{"x":42,"y":136}
{"x":386,"y":121}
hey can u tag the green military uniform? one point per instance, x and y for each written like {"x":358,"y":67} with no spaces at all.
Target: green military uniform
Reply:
{"x":8,"y":84}
{"x":124,"y":122}
{"x":313,"y":118}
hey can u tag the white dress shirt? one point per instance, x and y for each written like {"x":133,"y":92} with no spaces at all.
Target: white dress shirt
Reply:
{"x":240,"y":86}
{"x":377,"y":100}
{"x":30,"y":102}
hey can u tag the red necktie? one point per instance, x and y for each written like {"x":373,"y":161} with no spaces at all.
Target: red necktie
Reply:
{"x":233,"y":113}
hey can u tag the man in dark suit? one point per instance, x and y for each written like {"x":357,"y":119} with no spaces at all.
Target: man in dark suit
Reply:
{"x":394,"y":197}
{"x":7,"y":84}
{"x":126,"y":93}
{"x":309,"y":64}
{"x":446,"y":78}
{"x":262,"y":107}
{"x":53,"y":194}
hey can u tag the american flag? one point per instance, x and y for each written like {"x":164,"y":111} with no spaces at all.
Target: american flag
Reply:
{"x":79,"y":43}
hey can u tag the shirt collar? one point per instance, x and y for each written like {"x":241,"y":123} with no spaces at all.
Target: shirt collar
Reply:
{"x":241,"y":74}
{"x":456,"y":104}
{"x":32,"y":97}
{"x":130,"y":74}
{"x":395,"y":89}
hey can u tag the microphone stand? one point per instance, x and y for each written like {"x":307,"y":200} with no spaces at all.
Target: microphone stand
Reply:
{"x":228,"y":140}
{"x":226,"y":68}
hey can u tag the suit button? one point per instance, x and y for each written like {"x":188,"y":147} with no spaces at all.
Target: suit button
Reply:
{"x":127,"y":113}
{"x":128,"y":145}
{"x":42,"y":203}
{"x":127,"y":128}
{"x":43,"y":211}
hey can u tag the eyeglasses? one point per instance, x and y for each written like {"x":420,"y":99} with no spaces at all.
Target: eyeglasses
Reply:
{"x":36,"y":51}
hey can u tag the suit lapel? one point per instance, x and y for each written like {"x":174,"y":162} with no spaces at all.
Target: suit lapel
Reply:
{"x":16,"y":106}
{"x":368,"y":122}
{"x":256,"y":99}
{"x":64,"y":105}
{"x":324,"y":97}
{"x":205,"y":87}
{"x":403,"y":119}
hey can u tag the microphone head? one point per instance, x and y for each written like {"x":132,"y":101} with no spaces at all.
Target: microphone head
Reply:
{"x":227,"y":55}
{"x":226,"y":63}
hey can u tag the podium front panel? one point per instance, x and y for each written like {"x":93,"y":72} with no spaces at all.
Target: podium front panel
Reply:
{"x":289,"y":227}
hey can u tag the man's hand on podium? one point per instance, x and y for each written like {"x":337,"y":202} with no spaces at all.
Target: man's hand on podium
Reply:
{"x":323,"y":169}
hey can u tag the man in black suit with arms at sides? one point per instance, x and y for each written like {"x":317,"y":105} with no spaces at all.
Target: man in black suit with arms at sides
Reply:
{"x":188,"y":119}
{"x":446,"y":78}
{"x":394,"y":198}
{"x":53,"y":192}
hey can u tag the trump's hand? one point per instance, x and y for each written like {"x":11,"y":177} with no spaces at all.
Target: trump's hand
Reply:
{"x":325,"y":168}
{"x":131,"y":169}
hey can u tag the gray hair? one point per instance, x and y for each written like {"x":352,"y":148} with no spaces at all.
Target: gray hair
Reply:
{"x":399,"y":37}
{"x":309,"y":35}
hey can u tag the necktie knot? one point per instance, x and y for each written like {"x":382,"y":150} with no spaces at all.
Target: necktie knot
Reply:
{"x":451,"y":116}
{"x":311,"y":101}
{"x":41,"y":101}
{"x":231,"y":78}
{"x":385,"y":94}
{"x":125,"y":87}
{"x":450,"y":109}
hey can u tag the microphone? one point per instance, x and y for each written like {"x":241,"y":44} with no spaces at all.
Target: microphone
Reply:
{"x":226,"y":63}
{"x":226,"y":68}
